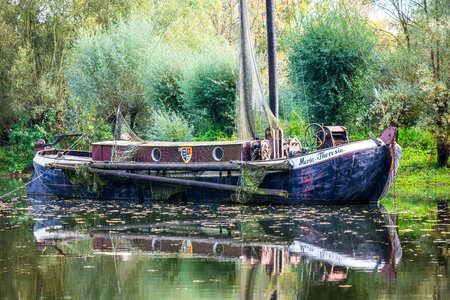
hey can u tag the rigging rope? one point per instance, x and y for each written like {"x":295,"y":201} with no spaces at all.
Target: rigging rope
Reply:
{"x":253,"y":112}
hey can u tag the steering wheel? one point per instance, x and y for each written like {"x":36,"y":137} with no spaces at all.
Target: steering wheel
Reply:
{"x":315,"y":135}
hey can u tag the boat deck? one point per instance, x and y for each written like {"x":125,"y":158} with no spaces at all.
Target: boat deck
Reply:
{"x":67,"y":157}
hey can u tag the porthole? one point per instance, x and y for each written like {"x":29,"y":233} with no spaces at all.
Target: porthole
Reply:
{"x":156,"y":245}
{"x":218,"y":153}
{"x":156,"y":154}
{"x":218,"y":249}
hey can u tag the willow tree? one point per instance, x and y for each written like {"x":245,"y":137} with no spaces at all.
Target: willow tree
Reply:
{"x":106,"y":68}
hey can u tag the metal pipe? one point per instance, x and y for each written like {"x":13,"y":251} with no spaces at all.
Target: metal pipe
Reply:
{"x":189,"y":183}
{"x":185,"y":167}
{"x":177,"y":181}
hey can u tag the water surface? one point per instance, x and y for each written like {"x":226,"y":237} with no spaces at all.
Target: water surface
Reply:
{"x":56,"y":249}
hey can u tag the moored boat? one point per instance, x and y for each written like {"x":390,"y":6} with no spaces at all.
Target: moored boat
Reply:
{"x":326,"y":169}
{"x":355,"y":172}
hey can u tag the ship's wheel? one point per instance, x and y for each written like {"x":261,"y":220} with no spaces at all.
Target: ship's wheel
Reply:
{"x":315,"y":136}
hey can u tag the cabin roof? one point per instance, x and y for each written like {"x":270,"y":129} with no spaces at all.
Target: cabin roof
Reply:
{"x":167,"y":144}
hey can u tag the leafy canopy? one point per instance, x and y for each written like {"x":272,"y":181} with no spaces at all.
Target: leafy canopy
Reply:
{"x":331,"y":62}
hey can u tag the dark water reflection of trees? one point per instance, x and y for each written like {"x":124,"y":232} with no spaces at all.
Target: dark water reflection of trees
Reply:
{"x":109,"y":250}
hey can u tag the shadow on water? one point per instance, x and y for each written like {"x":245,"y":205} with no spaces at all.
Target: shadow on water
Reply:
{"x":115,"y":250}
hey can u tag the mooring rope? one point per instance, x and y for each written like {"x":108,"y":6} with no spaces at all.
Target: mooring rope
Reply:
{"x":74,"y":144}
{"x":20,"y":187}
{"x":77,"y":141}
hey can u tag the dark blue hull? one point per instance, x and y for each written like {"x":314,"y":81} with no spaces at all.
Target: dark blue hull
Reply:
{"x":361,"y":176}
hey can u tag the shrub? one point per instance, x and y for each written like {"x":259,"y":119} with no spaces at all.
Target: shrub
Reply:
{"x":22,"y":138}
{"x":209,"y":90}
{"x":416,"y":138}
{"x":335,"y":54}
{"x":169,"y":126}
{"x":398,"y":105}
{"x":293,"y":125}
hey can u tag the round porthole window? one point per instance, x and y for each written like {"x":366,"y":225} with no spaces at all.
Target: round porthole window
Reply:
{"x":218,"y":249}
{"x":156,"y":245}
{"x":156,"y":154}
{"x":218,"y":153}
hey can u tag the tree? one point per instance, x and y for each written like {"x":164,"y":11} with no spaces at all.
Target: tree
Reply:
{"x":402,"y":12}
{"x":425,"y":28}
{"x":8,"y":45}
{"x":332,"y":62}
{"x":106,"y":68}
{"x":23,"y":93}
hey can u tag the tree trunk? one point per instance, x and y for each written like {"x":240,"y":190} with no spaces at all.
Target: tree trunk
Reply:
{"x":133,"y":115}
{"x":443,"y":151}
{"x":112,"y":120}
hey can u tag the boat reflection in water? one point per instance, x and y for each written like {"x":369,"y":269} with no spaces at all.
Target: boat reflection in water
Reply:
{"x":319,"y":243}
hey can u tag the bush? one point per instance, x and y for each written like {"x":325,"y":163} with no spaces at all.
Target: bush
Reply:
{"x":22,"y":137}
{"x":416,"y":138}
{"x":293,"y":125}
{"x":335,"y":54}
{"x":398,"y":105}
{"x":169,"y":126}
{"x":209,"y":91}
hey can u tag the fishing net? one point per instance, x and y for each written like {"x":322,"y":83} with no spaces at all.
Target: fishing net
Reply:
{"x":92,"y":181}
{"x":165,"y":191}
{"x":249,"y":181}
{"x":122,"y":152}
{"x":253,"y":112}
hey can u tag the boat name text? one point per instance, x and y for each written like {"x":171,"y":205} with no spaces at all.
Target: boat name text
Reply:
{"x":320,"y":156}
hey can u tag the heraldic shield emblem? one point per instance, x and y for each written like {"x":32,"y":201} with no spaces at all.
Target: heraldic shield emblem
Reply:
{"x":186,"y":154}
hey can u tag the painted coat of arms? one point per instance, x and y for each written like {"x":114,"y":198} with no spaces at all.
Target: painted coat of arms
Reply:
{"x":186,"y":154}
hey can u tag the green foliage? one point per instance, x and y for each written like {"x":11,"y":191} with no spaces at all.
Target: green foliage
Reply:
{"x":23,"y":92}
{"x":30,"y":94}
{"x":418,"y":163}
{"x":8,"y":46}
{"x":289,"y":101}
{"x":418,"y":168}
{"x":209,"y":90}
{"x":20,"y":154}
{"x":184,"y":24}
{"x":437,"y":98}
{"x":398,"y":105}
{"x":86,"y":121}
{"x":335,"y":54}
{"x":105,"y":68}
{"x":294,"y":125}
{"x":92,"y":181}
{"x":169,"y":126}
{"x":134,"y":67}
{"x":34,"y":39}
{"x":416,"y":138}
{"x":213,"y":135}
{"x":162,"y":78}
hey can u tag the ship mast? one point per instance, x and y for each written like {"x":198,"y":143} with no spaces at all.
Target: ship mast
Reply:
{"x":272,"y":45}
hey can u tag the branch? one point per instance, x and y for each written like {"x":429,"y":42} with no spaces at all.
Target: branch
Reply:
{"x":399,"y":42}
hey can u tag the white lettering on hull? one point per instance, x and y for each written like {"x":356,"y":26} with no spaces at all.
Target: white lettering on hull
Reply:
{"x":327,"y":154}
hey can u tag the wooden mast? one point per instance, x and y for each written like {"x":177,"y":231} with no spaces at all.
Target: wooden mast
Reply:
{"x":277,"y":133}
{"x":272,"y":45}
